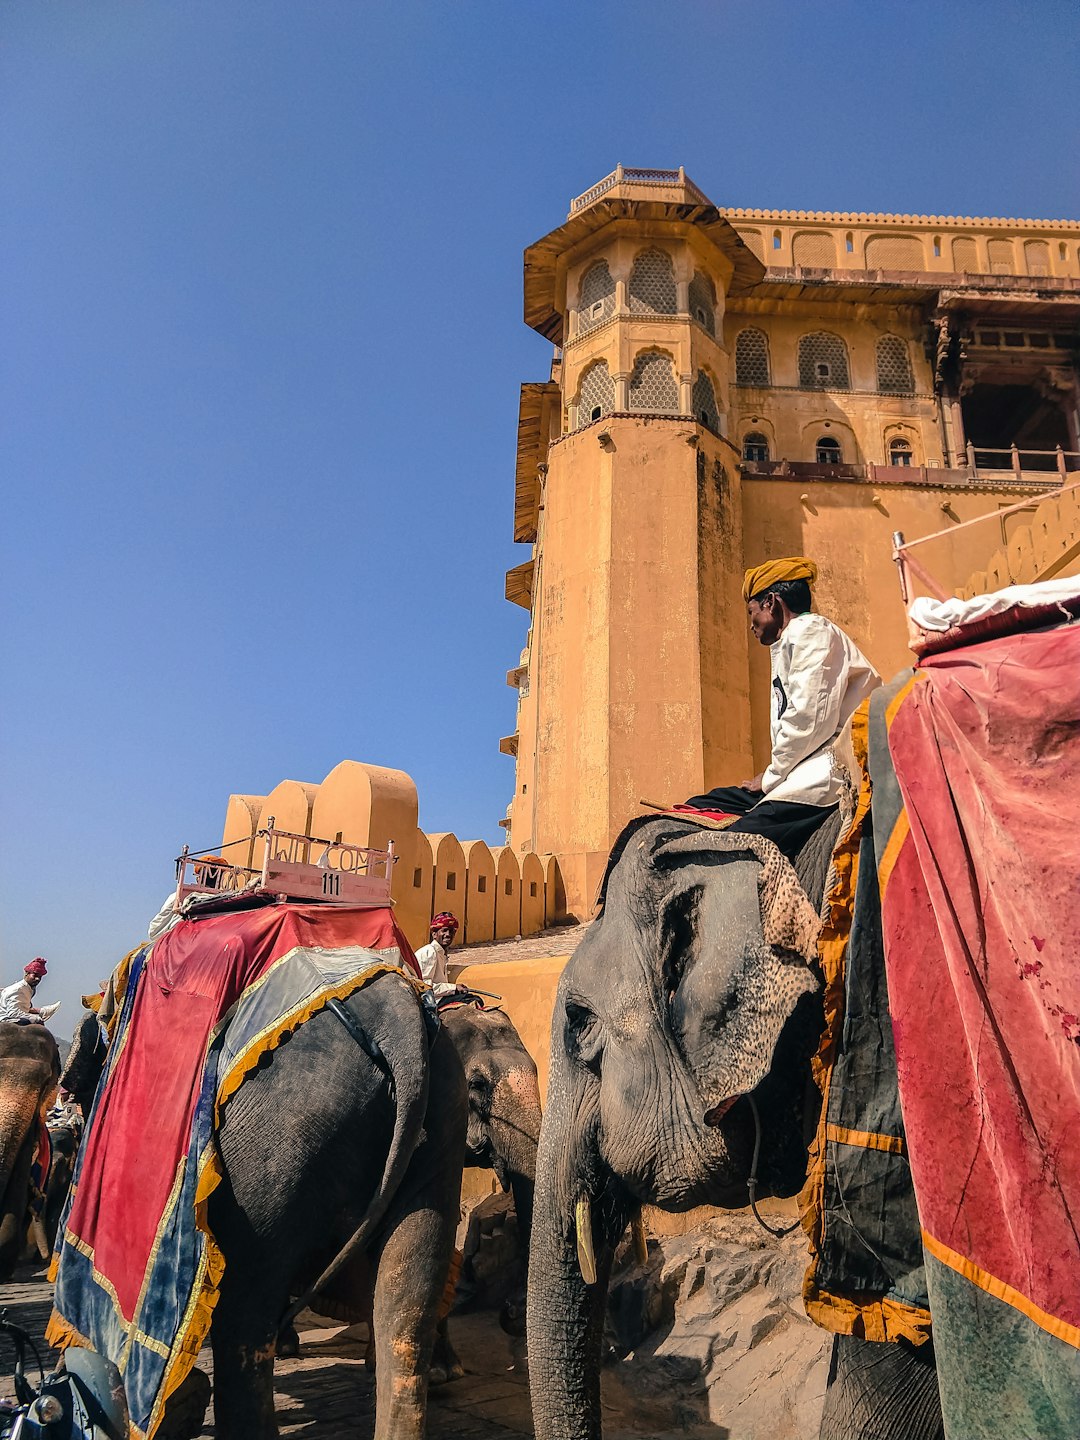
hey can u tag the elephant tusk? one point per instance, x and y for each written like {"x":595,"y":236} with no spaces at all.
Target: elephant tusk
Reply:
{"x":585,"y":1252}
{"x":638,"y":1238}
{"x":37,"y":1229}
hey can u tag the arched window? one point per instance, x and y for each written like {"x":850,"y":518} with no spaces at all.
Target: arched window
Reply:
{"x":751,"y":358}
{"x":703,"y":302}
{"x":828,"y":452}
{"x":597,"y":302}
{"x":755,"y":446}
{"x":703,"y":398}
{"x":823,"y":363}
{"x":894,"y":375}
{"x":652,"y":385}
{"x":899,"y":452}
{"x":597,"y":394}
{"x":652,"y":284}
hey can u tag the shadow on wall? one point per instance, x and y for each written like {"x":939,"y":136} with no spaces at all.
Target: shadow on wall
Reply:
{"x":494,"y":893}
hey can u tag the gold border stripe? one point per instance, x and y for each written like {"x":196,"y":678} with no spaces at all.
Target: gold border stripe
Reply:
{"x":1052,"y":1324}
{"x":865,"y":1139}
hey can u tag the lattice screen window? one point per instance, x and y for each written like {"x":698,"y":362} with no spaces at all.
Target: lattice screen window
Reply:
{"x":703,"y":398}
{"x":894,"y":375}
{"x":703,"y":302}
{"x":894,"y":252}
{"x":815,"y":248}
{"x":751,"y":358}
{"x":1002,"y":261}
{"x":755,"y":446}
{"x":754,"y":241}
{"x":828,"y":452}
{"x":597,"y":395}
{"x":1037,"y":255}
{"x":652,"y":385}
{"x":597,"y":302}
{"x":652,"y":284}
{"x":965,"y":256}
{"x":823,"y":362}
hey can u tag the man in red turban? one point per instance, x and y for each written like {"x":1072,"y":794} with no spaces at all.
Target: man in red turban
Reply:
{"x":17,"y":1001}
{"x":432,"y":957}
{"x":819,"y":679}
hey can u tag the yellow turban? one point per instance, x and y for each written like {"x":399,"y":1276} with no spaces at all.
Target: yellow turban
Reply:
{"x":795,"y":567}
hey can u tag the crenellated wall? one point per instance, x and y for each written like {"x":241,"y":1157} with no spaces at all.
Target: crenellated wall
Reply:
{"x":494,"y":893}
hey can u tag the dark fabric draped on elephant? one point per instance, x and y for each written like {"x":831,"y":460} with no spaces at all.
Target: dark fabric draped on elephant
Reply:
{"x":674,"y":1007}
{"x":29,"y":1071}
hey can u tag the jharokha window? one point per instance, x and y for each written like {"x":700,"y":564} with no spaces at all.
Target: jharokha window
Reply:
{"x":828,"y":452}
{"x":755,"y":447}
{"x":899,"y":452}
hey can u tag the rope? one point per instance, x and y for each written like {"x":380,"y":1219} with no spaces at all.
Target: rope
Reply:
{"x":751,"y":1183}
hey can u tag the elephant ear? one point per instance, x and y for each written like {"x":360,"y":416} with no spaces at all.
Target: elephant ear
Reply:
{"x":753,"y":948}
{"x":767,"y":986}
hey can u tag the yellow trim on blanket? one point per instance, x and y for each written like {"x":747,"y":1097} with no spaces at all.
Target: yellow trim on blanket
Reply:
{"x":865,"y":1139}
{"x":891,"y":854}
{"x":1052,"y":1324}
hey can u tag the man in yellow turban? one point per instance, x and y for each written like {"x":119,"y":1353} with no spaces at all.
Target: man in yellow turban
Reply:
{"x":819,"y":679}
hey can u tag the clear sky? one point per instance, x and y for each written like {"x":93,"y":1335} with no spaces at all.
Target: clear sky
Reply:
{"x":260,"y":344}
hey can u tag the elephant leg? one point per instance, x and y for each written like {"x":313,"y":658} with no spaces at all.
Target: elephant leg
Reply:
{"x":412,"y":1256}
{"x":13,"y":1219}
{"x":243,"y":1336}
{"x":879,"y":1391}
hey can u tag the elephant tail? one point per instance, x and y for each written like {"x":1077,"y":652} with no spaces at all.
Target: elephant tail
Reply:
{"x":405,"y":1064}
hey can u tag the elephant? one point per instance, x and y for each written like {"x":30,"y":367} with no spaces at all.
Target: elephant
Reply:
{"x":29,"y":1072}
{"x":681,"y":1050}
{"x":85,"y":1061}
{"x":322,"y":1131}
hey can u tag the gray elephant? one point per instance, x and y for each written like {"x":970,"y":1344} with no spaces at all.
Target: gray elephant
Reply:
{"x":368,"y":1143}
{"x":29,"y":1071}
{"x":681,"y":1044}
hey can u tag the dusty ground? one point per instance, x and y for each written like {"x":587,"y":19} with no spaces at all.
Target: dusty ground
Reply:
{"x":328,"y":1393}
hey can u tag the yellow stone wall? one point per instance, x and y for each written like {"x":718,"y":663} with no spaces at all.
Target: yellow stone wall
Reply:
{"x":827,"y":240}
{"x":373,"y":805}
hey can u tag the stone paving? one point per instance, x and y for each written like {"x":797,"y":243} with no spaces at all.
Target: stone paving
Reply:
{"x":327,"y":1393}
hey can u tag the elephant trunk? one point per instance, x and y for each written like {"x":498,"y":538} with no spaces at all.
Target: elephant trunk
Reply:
{"x":18,"y":1111}
{"x":576,"y":1224}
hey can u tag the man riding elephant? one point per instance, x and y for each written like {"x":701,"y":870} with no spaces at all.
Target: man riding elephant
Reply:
{"x":819,"y":679}
{"x":17,"y":1001}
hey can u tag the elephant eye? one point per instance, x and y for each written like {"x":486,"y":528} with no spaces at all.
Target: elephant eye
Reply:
{"x":583,"y":1035}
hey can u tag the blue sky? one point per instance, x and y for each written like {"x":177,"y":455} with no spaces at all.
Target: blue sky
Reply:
{"x":260,"y":344}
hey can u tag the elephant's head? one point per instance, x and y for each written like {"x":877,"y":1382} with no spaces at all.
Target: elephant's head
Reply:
{"x":693,"y":987}
{"x":504,"y":1100}
{"x":85,"y":1061}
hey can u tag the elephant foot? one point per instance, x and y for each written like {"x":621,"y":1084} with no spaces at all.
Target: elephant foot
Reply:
{"x":445,"y":1365}
{"x":288,"y":1344}
{"x":186,"y":1410}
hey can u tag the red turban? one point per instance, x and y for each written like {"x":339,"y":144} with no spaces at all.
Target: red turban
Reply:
{"x":36,"y":967}
{"x":444,"y":918}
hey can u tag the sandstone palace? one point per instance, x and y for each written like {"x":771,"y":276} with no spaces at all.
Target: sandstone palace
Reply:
{"x":730,"y":385}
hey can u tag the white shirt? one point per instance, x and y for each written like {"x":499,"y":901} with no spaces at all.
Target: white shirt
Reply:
{"x":17,"y":1003}
{"x":819,"y":678}
{"x":432,"y":961}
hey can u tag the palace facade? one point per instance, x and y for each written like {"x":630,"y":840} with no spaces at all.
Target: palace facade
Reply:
{"x":732,"y":385}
